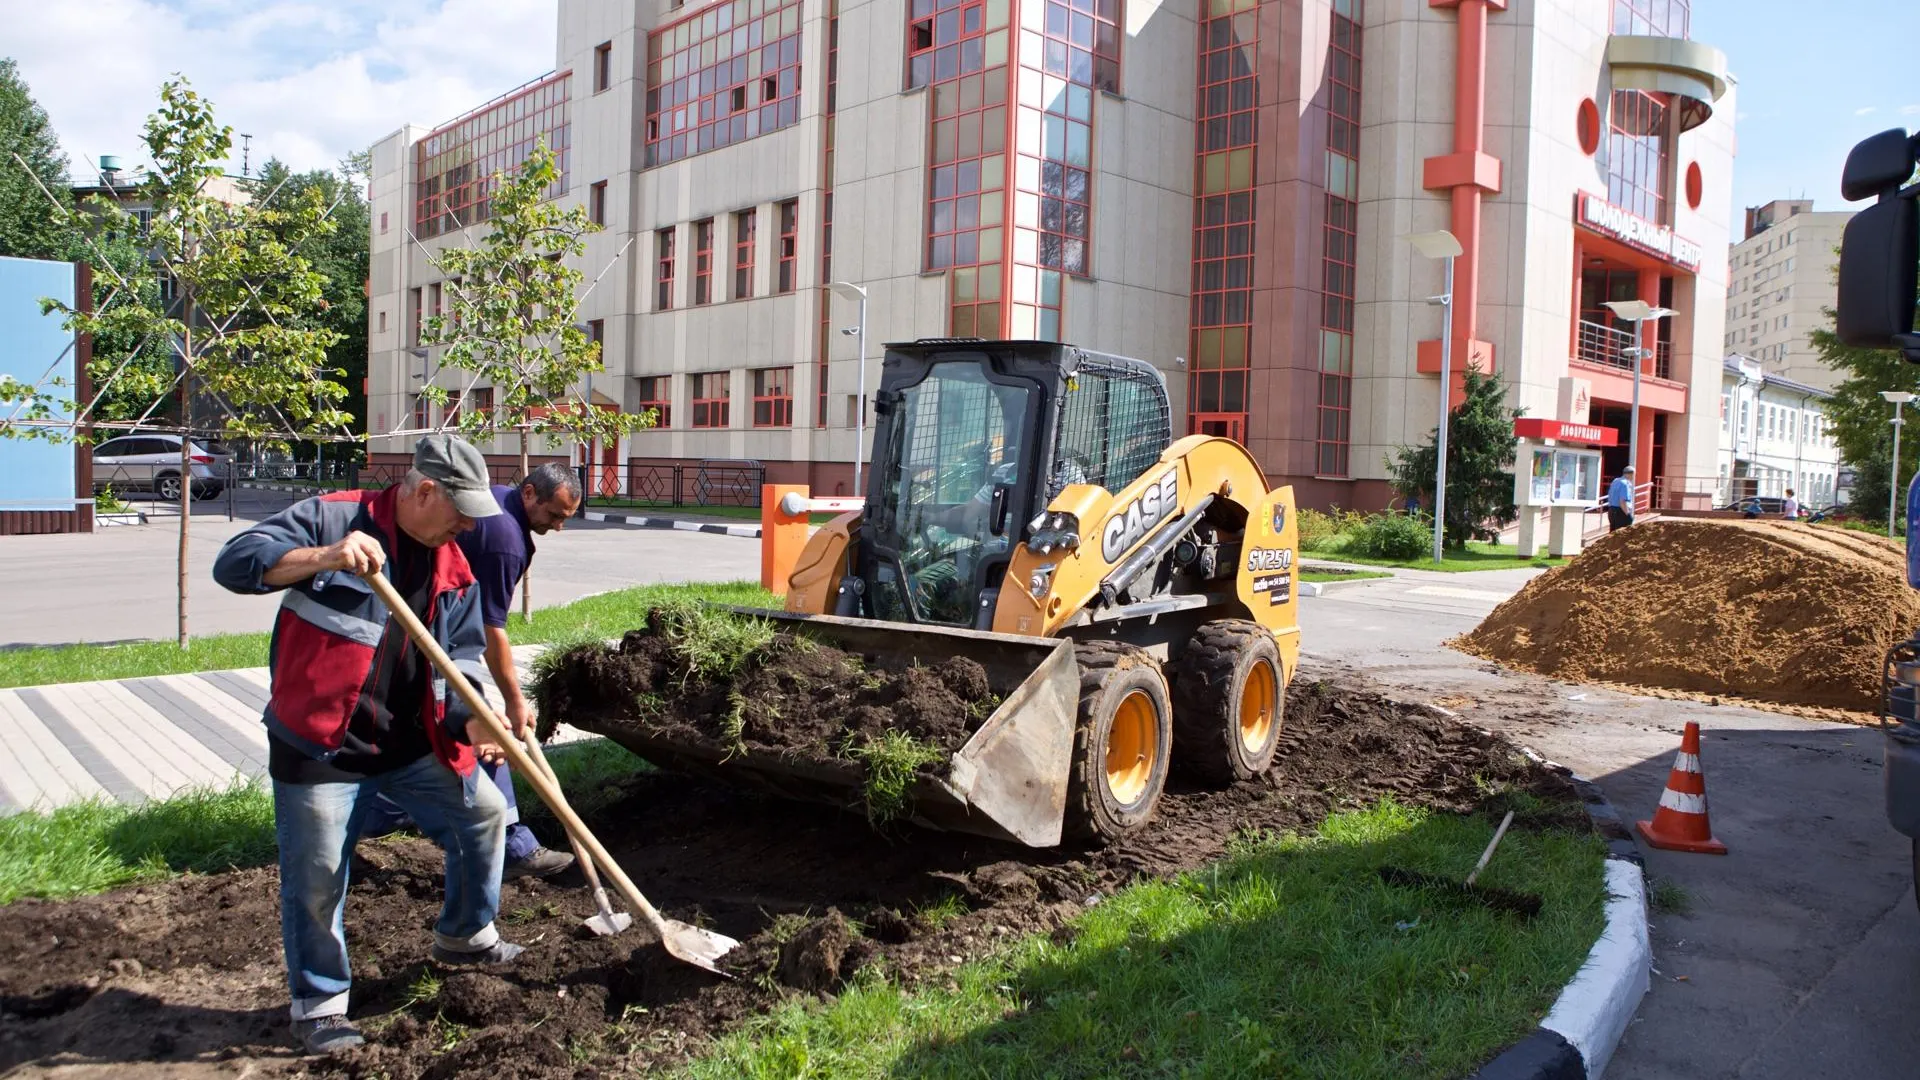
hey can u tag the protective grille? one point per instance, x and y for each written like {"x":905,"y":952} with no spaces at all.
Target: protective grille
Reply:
{"x":1113,"y":425}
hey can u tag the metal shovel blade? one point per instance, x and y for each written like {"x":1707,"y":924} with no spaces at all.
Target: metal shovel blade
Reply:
{"x":701,"y":948}
{"x":607,"y":924}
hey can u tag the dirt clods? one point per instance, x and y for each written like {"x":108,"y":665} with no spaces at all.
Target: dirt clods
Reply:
{"x":1774,"y":612}
{"x":811,"y":960}
{"x":475,"y":998}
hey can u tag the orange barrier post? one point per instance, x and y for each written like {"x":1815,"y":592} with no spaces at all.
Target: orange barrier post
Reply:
{"x":1680,"y":824}
{"x":782,"y":536}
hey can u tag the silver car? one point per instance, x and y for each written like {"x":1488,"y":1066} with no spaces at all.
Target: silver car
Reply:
{"x":143,"y":462}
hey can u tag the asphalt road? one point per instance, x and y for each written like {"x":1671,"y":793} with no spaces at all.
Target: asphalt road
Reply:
{"x":1800,"y":956}
{"x":119,"y":583}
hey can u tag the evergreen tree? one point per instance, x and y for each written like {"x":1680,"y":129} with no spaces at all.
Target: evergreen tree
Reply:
{"x":32,"y":226}
{"x":1480,"y":449}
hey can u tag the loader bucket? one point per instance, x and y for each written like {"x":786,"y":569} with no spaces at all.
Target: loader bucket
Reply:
{"x":1008,"y":781}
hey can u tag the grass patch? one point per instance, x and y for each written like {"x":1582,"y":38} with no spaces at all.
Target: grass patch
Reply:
{"x":93,"y":846}
{"x":1288,"y":958}
{"x":603,"y":616}
{"x":714,"y":645}
{"x":1477,"y":556}
{"x":589,"y":771}
{"x":891,"y":761}
{"x":1342,"y":575}
{"x":1669,"y":898}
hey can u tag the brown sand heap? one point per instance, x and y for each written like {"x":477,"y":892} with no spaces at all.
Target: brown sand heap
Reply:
{"x":1773,"y":611}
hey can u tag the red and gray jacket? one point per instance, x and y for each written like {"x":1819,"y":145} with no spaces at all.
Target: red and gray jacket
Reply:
{"x":329,"y":627}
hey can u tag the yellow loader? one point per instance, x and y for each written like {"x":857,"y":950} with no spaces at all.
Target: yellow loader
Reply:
{"x":1027,"y":506}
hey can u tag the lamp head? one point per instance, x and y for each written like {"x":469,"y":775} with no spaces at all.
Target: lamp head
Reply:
{"x":1436,"y":245}
{"x":1896,"y":397}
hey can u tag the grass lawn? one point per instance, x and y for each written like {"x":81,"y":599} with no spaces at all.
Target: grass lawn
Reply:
{"x":93,"y":846}
{"x":1341,"y":575}
{"x":605,"y":615}
{"x":1478,"y":556}
{"x":1289,"y":958}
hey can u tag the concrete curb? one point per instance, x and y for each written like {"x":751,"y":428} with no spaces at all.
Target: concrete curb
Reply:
{"x":632,"y":521}
{"x":1579,"y":1034}
{"x":1321,"y":588}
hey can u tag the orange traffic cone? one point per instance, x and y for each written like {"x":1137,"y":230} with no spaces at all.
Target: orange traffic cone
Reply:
{"x":1680,"y":824}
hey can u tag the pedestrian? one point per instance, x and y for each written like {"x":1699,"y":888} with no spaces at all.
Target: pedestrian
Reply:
{"x":1791,"y":508}
{"x":499,"y":549}
{"x":356,"y":711}
{"x":1620,"y":500}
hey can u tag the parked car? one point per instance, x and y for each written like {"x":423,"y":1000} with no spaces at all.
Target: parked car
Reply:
{"x":151,"y":462}
{"x":1768,"y":506}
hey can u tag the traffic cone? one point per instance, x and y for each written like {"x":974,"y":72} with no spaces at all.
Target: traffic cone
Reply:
{"x":1680,"y":824}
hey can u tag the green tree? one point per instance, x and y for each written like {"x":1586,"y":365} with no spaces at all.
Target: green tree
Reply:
{"x":32,"y":226}
{"x":1480,"y":449}
{"x":240,"y":333}
{"x":1861,"y":418}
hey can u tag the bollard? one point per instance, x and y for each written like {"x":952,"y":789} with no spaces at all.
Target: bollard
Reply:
{"x":782,"y":536}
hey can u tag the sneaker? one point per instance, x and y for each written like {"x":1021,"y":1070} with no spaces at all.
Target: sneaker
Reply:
{"x":327,"y":1034}
{"x":544,"y":862}
{"x":501,"y":952}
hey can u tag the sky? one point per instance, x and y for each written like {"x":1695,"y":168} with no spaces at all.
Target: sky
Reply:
{"x":313,"y":82}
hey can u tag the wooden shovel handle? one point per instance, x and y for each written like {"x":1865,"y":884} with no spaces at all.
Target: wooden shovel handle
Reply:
{"x":1487,"y":855}
{"x":580,"y":855}
{"x":548,"y":791}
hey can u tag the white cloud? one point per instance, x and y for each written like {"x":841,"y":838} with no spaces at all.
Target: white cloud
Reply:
{"x":1868,"y":110}
{"x":1910,"y":110}
{"x":311,"y":82}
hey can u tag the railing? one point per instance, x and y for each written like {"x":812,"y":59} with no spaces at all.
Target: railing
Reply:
{"x":1606,"y":346}
{"x":709,"y":482}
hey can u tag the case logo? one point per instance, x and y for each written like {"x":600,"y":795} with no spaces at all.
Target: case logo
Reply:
{"x":1130,"y":524}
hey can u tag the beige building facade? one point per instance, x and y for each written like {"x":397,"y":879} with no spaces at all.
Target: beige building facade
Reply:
{"x":1781,"y":283}
{"x":1224,"y":191}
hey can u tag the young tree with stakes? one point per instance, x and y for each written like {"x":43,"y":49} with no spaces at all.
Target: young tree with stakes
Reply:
{"x":511,"y":321}
{"x":1480,"y":451}
{"x":243,"y":333}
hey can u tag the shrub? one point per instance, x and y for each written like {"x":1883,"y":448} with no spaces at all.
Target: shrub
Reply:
{"x":1391,"y":536}
{"x":1317,"y":530}
{"x":106,"y":502}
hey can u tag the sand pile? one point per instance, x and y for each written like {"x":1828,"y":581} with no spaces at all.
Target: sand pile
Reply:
{"x":1776,"y":612}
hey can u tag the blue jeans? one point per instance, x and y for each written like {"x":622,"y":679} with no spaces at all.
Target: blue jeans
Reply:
{"x":386,"y":816}
{"x":316,"y":825}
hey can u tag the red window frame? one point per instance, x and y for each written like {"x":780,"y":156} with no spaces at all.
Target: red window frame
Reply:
{"x":723,"y":75}
{"x":597,"y":334}
{"x":1333,"y":437}
{"x":457,"y":162}
{"x":452,"y":411}
{"x":1220,"y":360}
{"x":773,"y":397}
{"x":703,"y":262}
{"x":744,"y":223}
{"x":414,"y":316}
{"x":663,"y":270}
{"x":1638,"y":147}
{"x":712,"y":403}
{"x":946,"y":39}
{"x":597,"y":203}
{"x":422,"y":412}
{"x":656,"y":392}
{"x":1081,"y":42}
{"x":968,"y":155}
{"x":602,"y":66}
{"x":482,"y":398}
{"x":788,"y":270}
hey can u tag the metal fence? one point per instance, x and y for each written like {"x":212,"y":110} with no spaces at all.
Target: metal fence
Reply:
{"x":708,"y":482}
{"x":1609,"y":347}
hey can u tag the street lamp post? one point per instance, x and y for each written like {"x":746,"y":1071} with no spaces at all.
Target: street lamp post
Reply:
{"x":850,"y":291}
{"x":1444,"y":246}
{"x":1899,"y":399}
{"x":1637,"y":312}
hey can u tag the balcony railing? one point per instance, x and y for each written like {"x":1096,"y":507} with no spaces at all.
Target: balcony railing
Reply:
{"x":1608,"y":347}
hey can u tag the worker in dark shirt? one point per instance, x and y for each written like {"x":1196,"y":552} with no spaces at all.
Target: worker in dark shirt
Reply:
{"x":499,"y":549}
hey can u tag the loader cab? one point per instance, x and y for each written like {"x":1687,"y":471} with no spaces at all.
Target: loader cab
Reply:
{"x":973,"y":440}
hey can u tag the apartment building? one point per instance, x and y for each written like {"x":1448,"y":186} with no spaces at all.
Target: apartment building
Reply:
{"x":1780,"y":285}
{"x":1224,"y":190}
{"x":1774,"y":435}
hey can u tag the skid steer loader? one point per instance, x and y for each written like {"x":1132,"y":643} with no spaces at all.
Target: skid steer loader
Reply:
{"x":1027,"y":506}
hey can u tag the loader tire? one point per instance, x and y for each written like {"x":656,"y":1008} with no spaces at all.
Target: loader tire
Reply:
{"x":1229,"y":695}
{"x":1121,"y":743}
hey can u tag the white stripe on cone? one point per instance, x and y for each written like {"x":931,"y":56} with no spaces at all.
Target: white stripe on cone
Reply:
{"x":1686,"y":762}
{"x":1682,"y":802}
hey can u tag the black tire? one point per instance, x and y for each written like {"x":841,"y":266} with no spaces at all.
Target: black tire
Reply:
{"x":1124,"y":710}
{"x":1229,"y":698}
{"x":166,"y":487}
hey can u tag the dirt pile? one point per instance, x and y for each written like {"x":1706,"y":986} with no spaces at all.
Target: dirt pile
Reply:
{"x":185,"y":977}
{"x":1768,"y":611}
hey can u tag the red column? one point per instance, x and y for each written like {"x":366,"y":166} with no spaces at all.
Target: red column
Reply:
{"x":1468,"y":174}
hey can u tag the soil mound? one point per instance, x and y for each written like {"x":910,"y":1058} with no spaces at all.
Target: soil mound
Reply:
{"x":1771,"y":611}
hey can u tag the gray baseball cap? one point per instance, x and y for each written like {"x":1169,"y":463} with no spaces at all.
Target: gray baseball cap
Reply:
{"x":456,"y":466}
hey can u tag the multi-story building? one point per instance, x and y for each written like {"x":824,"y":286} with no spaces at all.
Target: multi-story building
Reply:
{"x":1781,"y":284}
{"x":1225,"y":191}
{"x":1774,"y":435}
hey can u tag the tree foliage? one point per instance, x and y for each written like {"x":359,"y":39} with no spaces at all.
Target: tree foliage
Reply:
{"x":1480,"y":450}
{"x":32,"y":226}
{"x":512,"y":312}
{"x":1861,"y":418}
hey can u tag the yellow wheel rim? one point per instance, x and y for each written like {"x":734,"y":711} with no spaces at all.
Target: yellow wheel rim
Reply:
{"x":1257,"y":700}
{"x":1132,"y":749}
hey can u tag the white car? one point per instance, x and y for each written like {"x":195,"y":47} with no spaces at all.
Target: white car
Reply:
{"x":144,"y":462}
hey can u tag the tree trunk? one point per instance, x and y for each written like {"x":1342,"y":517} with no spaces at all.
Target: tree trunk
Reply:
{"x":186,"y":455}
{"x":526,"y":577}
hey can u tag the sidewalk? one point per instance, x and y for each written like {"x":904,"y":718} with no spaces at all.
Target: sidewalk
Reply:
{"x":139,"y":739}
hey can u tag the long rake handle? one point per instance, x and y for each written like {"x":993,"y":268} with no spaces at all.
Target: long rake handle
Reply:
{"x":548,"y":791}
{"x":585,"y":860}
{"x":1487,"y":855}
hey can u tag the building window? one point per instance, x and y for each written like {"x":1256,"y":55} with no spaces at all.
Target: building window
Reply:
{"x":383,"y":223}
{"x":966,"y":204}
{"x":413,"y":317}
{"x":656,"y":394}
{"x":947,"y":39}
{"x":457,"y":163}
{"x":453,"y":409}
{"x":383,"y":322}
{"x":597,"y":203}
{"x":789,"y":245}
{"x":1339,"y":243}
{"x":743,"y":239}
{"x":773,"y":397}
{"x":597,"y":334}
{"x":1656,"y":18}
{"x":422,"y":412}
{"x":722,"y":76}
{"x":703,"y":263}
{"x":663,"y":270}
{"x":602,"y":66}
{"x":1082,"y":42}
{"x":1638,"y":141}
{"x":482,"y":400}
{"x":710,"y":401}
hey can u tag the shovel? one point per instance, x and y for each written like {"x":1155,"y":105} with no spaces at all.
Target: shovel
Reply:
{"x":607,"y":922}
{"x":1525,"y":905}
{"x":683,"y":942}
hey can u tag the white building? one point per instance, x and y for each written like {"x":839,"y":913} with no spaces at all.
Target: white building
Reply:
{"x":1774,"y":436}
{"x":1780,"y":283}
